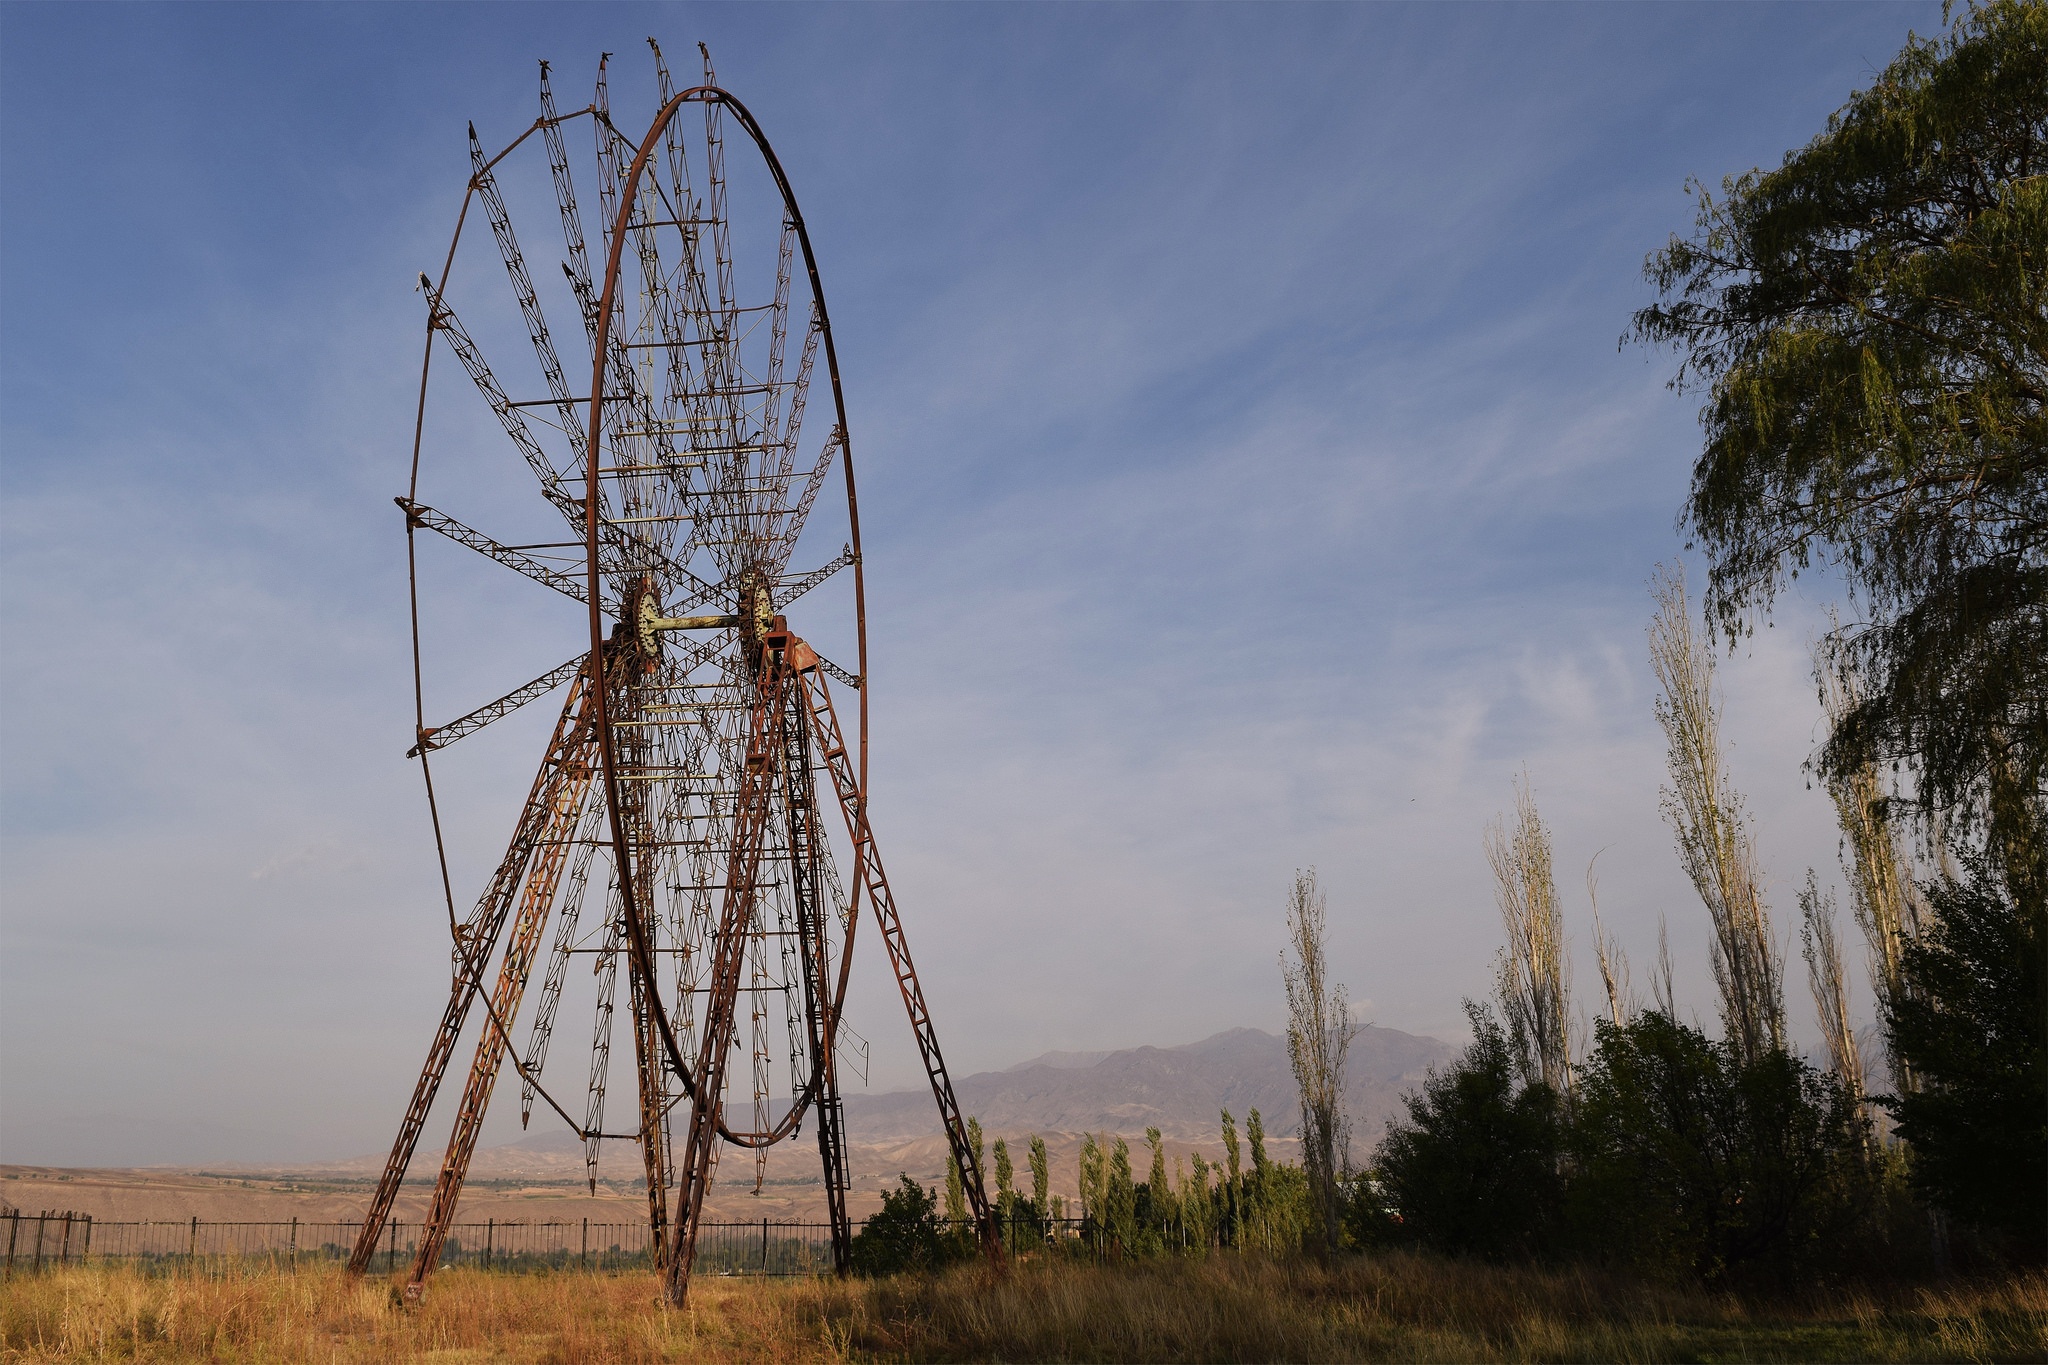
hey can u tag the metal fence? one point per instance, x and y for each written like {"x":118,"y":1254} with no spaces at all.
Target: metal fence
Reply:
{"x":37,"y":1241}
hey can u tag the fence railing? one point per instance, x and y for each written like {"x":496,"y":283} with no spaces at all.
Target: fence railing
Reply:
{"x":37,"y":1241}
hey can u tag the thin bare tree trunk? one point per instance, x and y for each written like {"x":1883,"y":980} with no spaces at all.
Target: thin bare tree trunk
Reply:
{"x":1713,"y":837}
{"x":1883,"y":900}
{"x":1319,"y":1033}
{"x":1533,"y":977}
{"x":1824,"y":978}
{"x":1614,"y":973}
{"x":1660,"y":982}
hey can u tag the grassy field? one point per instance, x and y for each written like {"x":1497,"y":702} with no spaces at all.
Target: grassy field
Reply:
{"x":1223,"y":1309}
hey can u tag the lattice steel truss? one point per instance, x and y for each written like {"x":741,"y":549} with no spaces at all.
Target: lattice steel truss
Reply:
{"x":681,"y":786}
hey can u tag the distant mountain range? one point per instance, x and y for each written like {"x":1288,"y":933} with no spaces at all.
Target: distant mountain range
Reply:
{"x":1179,"y":1090}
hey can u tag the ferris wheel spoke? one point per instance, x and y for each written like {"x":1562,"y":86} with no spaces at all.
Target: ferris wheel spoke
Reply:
{"x":787,"y":590}
{"x":793,"y":525}
{"x":529,"y":302}
{"x":778,"y":338}
{"x":558,"y":959}
{"x":609,"y":171}
{"x":792,"y":420}
{"x":607,"y":971}
{"x":578,"y":264}
{"x":424,"y":517}
{"x":441,"y":736}
{"x":509,"y":415}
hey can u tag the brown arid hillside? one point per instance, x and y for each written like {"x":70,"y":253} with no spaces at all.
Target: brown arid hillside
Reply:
{"x":1058,"y":1096}
{"x":1179,"y":1090}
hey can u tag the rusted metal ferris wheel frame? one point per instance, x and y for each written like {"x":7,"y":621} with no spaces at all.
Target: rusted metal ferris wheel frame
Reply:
{"x":811,"y":711}
{"x":639,"y":949}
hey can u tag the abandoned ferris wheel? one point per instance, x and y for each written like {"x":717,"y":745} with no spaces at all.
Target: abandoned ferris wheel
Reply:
{"x":700,"y":789}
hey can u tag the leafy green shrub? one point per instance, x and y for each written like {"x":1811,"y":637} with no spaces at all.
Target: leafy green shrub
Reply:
{"x":1474,"y":1169}
{"x":906,"y":1234}
{"x":1972,"y":1021}
{"x":1687,"y":1159}
{"x":1671,"y":1155}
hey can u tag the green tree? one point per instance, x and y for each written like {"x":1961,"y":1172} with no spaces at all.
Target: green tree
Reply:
{"x":1008,"y":1202}
{"x":1093,"y":1184}
{"x":1870,"y":321}
{"x":1971,"y":1021}
{"x":1197,"y":1203}
{"x":1473,"y":1169}
{"x":1695,"y":1158}
{"x":1232,"y":1191}
{"x":1041,"y":1178}
{"x":956,"y":1191}
{"x":1120,"y":1198}
{"x":1006,"y":1174}
{"x":1255,"y":1135}
{"x":904,"y":1235}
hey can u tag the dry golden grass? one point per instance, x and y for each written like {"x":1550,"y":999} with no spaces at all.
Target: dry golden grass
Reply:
{"x":1224,"y":1309}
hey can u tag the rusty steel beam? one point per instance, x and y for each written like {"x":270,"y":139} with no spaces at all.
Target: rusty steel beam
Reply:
{"x":789,"y":589}
{"x":743,"y":862}
{"x":870,"y":876}
{"x":421,"y":516}
{"x":476,"y":940}
{"x":568,"y":785}
{"x":805,"y":864}
{"x":441,"y":736}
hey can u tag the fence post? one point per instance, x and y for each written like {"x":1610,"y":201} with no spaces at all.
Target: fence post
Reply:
{"x":391,"y":1256}
{"x":13,"y":1231}
{"x":192,"y":1246}
{"x":490,"y":1226}
{"x":293,"y":1247}
{"x":583,"y":1257}
{"x":64,"y":1247}
{"x":87,"y":1251}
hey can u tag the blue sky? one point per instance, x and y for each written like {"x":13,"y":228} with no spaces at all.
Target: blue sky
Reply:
{"x":1250,"y":475}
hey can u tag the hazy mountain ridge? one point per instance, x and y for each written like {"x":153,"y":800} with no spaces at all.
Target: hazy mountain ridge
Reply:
{"x":1180,"y":1090}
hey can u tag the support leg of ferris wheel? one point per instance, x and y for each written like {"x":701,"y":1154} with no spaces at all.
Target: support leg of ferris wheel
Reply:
{"x":654,"y":1134}
{"x":649,"y":1075}
{"x":868,"y":872}
{"x":801,"y":802}
{"x":479,"y":939}
{"x":749,"y":825}
{"x":568,"y":786}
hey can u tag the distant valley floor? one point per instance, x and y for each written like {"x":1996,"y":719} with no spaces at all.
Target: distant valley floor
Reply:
{"x":1060,"y":1096}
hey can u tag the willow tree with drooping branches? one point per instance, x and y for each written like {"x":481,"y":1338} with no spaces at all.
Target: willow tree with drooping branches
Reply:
{"x":1869,"y":322}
